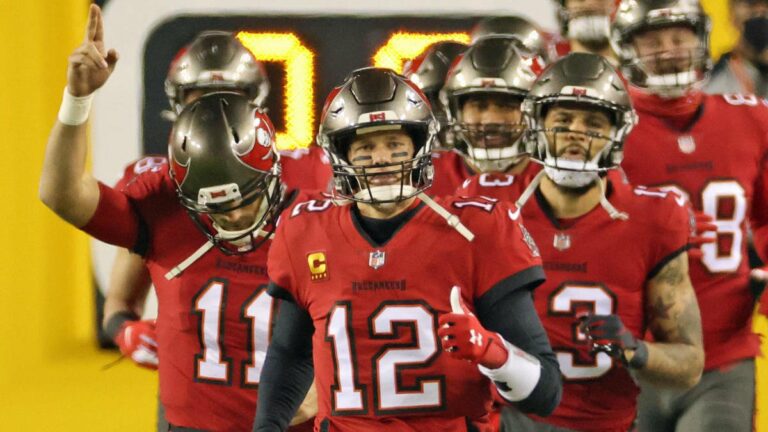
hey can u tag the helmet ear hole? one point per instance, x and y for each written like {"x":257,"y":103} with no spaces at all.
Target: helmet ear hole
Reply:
{"x":184,"y":145}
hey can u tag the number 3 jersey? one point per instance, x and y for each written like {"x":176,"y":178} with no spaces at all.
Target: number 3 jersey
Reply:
{"x":598,"y":265}
{"x":719,"y":164}
{"x":378,"y":361}
{"x":213,"y":319}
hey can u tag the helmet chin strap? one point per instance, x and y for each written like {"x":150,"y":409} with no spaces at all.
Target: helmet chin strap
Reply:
{"x":452,"y":220}
{"x":609,"y":208}
{"x":237,"y":238}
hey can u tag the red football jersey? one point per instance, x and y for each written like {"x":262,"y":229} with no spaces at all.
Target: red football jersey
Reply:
{"x":450,"y":172}
{"x":213,"y":319}
{"x":504,"y":187}
{"x":306,"y":169}
{"x":719,"y":164}
{"x":598,"y":265}
{"x":378,"y":362}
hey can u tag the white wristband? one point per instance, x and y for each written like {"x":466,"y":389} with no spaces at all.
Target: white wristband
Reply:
{"x":74,"y":110}
{"x":518,"y":375}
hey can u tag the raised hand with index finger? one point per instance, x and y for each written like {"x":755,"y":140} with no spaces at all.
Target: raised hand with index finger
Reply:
{"x":91,"y":63}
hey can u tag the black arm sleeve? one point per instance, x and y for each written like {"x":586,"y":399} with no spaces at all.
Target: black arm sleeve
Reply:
{"x":514,"y":317}
{"x":288,"y":372}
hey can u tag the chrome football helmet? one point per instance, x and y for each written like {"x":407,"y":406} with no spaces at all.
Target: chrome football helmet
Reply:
{"x":637,"y":16}
{"x":374,"y":100}
{"x":533,"y":38}
{"x":215,"y":60}
{"x":222,"y":159}
{"x":579,"y":79}
{"x":494,"y":65}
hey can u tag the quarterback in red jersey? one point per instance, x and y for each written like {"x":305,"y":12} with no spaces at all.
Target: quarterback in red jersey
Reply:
{"x":711,"y":149}
{"x":483,"y":93}
{"x":595,"y":305}
{"x":373,"y":290}
{"x":197,"y":224}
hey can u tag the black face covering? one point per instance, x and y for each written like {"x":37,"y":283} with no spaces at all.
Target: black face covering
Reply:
{"x":756,"y":32}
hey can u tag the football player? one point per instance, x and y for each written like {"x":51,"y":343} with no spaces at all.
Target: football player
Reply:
{"x":585,"y":27}
{"x":214,"y":61}
{"x":596,"y":304}
{"x":428,"y":71}
{"x":198,"y":222}
{"x":483,"y":93}
{"x":711,"y":149}
{"x":375,"y":289}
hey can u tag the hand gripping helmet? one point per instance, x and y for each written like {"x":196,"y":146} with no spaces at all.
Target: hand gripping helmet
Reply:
{"x":492,"y":65}
{"x":636,"y":16}
{"x":428,"y":72}
{"x":587,"y":80}
{"x":222,"y":158}
{"x":370,"y":100}
{"x":533,"y":38}
{"x":215,"y":60}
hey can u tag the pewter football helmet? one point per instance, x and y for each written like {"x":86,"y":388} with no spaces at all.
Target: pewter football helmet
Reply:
{"x":637,"y":16}
{"x":579,"y":79}
{"x":494,"y":65}
{"x":222,"y":158}
{"x":376,"y":100}
{"x":215,"y":60}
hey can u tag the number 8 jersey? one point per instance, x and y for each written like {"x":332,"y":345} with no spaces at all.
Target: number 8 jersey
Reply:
{"x":718,"y":163}
{"x":378,"y":361}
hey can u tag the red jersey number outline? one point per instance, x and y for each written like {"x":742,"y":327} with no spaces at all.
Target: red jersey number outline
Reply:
{"x":563,"y":302}
{"x":348,"y":396}
{"x":212,"y":364}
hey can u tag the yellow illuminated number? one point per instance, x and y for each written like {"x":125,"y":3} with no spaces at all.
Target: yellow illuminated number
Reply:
{"x":299,"y":63}
{"x":403,"y":46}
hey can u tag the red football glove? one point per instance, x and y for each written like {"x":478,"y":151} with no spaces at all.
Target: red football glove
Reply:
{"x":463,"y":337}
{"x":138,"y":340}
{"x":704,"y":225}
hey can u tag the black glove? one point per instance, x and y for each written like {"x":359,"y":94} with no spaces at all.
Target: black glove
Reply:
{"x":606,"y":333}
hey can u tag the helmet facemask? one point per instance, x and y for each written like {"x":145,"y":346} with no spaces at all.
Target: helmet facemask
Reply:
{"x":571,"y":158}
{"x":222,"y":160}
{"x":670,"y":76}
{"x":383,"y":183}
{"x":591,"y":30}
{"x":640,"y":27}
{"x":490,"y":147}
{"x":266,"y":191}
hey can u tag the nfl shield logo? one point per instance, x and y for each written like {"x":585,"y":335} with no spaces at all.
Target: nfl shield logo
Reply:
{"x":686,"y":144}
{"x":562,"y":241}
{"x":376,"y":259}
